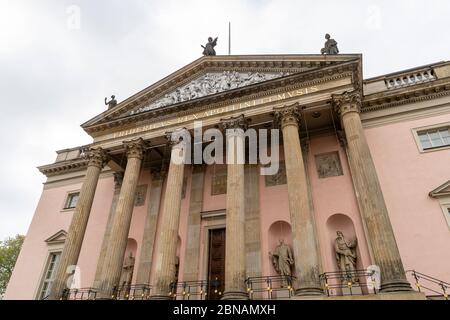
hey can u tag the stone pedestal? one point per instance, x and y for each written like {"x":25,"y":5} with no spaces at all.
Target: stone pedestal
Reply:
{"x":77,"y":229}
{"x":235,"y":216}
{"x":148,"y":241}
{"x":165,"y":257}
{"x":306,"y":253}
{"x":371,"y":203}
{"x":115,"y":252}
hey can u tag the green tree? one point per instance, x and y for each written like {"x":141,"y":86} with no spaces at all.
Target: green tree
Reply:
{"x":9,"y":251}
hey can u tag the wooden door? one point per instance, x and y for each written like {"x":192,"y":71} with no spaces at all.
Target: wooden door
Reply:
{"x":216,"y":264}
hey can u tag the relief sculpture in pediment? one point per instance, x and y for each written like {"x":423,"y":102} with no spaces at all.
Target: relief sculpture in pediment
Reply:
{"x":208,"y":84}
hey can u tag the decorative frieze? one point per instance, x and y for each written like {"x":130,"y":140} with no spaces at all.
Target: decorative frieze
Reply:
{"x":219,"y":181}
{"x":209,"y":84}
{"x":328,"y":165}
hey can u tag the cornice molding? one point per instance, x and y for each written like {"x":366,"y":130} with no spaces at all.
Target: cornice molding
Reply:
{"x":400,"y":97}
{"x":64,"y":167}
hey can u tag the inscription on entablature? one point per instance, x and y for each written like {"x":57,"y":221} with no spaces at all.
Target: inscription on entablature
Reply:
{"x":279,"y":178}
{"x":141,"y":192}
{"x":328,"y":165}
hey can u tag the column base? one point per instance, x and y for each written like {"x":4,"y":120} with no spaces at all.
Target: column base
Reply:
{"x":160,"y":297}
{"x":411,"y":295}
{"x":235,"y":295}
{"x":309,"y":292}
{"x":395,"y":286}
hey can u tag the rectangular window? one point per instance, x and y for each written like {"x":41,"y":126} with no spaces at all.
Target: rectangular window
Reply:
{"x":49,"y":275}
{"x":434,"y":138}
{"x":71,"y":201}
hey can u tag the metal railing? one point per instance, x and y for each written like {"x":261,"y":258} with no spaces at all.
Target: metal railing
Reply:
{"x":345,"y":283}
{"x":430,"y":286}
{"x":193,"y":290}
{"x":270,"y":287}
{"x":132,"y":292}
{"x":80,"y":294}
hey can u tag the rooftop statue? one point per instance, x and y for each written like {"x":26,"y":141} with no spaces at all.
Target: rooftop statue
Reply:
{"x":208,"y":50}
{"x":330,"y":46}
{"x":111,"y":103}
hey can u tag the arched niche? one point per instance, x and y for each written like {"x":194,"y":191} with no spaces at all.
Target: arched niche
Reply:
{"x":127,"y":274}
{"x":341,"y":222}
{"x":279,"y":230}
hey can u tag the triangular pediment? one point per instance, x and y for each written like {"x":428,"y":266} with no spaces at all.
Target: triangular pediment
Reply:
{"x":441,"y":191}
{"x":57,"y":238}
{"x":212,"y":76}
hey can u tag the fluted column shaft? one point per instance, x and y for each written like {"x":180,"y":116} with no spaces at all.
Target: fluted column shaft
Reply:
{"x":165,"y":258}
{"x":118,"y":178}
{"x":77,"y":229}
{"x":235,"y":216}
{"x":370,"y":197}
{"x":113,"y":261}
{"x":306,"y":254}
{"x":148,"y":241}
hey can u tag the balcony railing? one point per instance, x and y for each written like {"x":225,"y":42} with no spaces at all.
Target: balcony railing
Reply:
{"x":270,"y":287}
{"x":193,"y":290}
{"x":349,"y":283}
{"x":410,"y":79}
{"x":80,"y":294}
{"x":430,"y":286}
{"x":132,"y":292}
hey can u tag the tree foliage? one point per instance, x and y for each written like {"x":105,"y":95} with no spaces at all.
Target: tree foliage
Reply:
{"x":9,"y":251}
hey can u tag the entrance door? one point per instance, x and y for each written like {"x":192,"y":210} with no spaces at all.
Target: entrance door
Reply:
{"x":216,"y":263}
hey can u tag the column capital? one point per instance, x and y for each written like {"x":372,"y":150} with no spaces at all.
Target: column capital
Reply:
{"x":347,"y":102}
{"x":237,"y":122}
{"x":288,"y":115}
{"x":135,"y":148}
{"x":96,"y":157}
{"x":178,"y":136}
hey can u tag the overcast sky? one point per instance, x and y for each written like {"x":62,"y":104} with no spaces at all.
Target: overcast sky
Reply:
{"x":59,"y":59}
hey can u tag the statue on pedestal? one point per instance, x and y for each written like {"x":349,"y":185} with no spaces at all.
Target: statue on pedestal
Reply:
{"x":208,"y":49}
{"x":127,"y":271}
{"x":111,"y":103}
{"x":346,"y":256}
{"x":330,"y":46}
{"x":282,"y":261}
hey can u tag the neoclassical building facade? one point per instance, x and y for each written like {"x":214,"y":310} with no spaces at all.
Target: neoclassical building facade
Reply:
{"x":359,"y":206}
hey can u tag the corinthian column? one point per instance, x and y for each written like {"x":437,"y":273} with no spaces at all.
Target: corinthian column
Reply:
{"x":235,"y":216}
{"x":369,"y":195}
{"x":166,"y":254}
{"x":306,"y":253}
{"x":118,"y":238}
{"x":69,"y":257}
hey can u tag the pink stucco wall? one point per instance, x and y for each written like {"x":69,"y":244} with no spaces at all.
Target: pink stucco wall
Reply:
{"x":406,"y":177}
